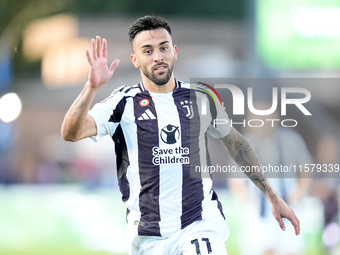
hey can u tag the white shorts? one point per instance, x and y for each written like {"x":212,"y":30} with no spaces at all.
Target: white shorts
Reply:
{"x":205,"y":237}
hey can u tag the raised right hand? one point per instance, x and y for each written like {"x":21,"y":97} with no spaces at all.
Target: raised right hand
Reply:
{"x":99,"y":71}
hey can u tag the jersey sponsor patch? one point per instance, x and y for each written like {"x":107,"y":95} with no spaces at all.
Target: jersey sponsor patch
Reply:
{"x":170,"y":134}
{"x":170,"y":156}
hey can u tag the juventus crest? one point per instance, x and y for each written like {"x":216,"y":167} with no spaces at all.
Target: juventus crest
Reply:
{"x":188,"y":106}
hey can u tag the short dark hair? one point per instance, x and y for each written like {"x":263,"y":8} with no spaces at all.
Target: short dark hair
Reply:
{"x":147,"y":23}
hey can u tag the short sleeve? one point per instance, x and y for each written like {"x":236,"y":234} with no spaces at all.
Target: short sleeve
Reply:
{"x":220,"y":125}
{"x":102,"y":114}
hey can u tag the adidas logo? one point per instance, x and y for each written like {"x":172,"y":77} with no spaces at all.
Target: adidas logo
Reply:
{"x":147,"y":115}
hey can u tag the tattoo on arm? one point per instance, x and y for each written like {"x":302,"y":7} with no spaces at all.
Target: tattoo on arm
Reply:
{"x":241,"y":151}
{"x":80,"y":104}
{"x":229,"y":139}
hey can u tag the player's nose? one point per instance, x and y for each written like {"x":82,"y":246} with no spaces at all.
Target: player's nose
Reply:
{"x":158,"y":56}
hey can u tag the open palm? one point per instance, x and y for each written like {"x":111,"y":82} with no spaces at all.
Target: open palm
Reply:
{"x":99,"y":71}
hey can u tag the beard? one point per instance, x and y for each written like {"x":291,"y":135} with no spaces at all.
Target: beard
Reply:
{"x":158,"y":80}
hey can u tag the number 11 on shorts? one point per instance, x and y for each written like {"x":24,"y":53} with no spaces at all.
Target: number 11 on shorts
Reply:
{"x":197,"y":245}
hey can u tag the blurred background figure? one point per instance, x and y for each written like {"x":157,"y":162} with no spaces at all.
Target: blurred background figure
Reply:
{"x":6,"y":142}
{"x":274,"y":145}
{"x":327,"y":189}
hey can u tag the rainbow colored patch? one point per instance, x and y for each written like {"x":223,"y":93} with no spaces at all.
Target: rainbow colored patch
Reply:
{"x":209,"y":93}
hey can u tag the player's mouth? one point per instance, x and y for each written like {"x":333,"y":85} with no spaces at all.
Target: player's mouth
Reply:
{"x":160,"y":68}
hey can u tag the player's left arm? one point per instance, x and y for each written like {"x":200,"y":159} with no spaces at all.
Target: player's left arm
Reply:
{"x":240,"y":150}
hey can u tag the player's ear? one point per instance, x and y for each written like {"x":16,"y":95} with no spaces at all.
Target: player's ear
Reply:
{"x":175,"y":52}
{"x":134,"y":60}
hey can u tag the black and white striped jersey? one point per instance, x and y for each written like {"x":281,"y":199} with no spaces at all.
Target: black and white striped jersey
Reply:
{"x":159,"y":139}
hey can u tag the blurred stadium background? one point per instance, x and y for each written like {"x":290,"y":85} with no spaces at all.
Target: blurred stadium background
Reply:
{"x":62,"y":198}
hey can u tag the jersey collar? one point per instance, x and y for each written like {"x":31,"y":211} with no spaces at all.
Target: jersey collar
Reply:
{"x":177,"y":85}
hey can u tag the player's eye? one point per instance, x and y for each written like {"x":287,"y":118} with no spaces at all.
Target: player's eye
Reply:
{"x":147,"y":51}
{"x":164,"y":48}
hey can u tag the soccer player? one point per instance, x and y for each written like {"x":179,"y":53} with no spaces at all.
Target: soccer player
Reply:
{"x":159,"y":128}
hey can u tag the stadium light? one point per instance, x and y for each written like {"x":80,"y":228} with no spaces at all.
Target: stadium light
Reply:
{"x":65,"y":63}
{"x":10,"y":107}
{"x":41,"y":33}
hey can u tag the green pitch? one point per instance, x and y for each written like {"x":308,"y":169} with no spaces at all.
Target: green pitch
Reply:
{"x":69,"y":220}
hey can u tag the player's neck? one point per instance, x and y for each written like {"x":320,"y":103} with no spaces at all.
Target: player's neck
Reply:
{"x":152,"y":87}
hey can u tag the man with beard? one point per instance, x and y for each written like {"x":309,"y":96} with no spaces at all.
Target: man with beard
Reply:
{"x":159,"y":132}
